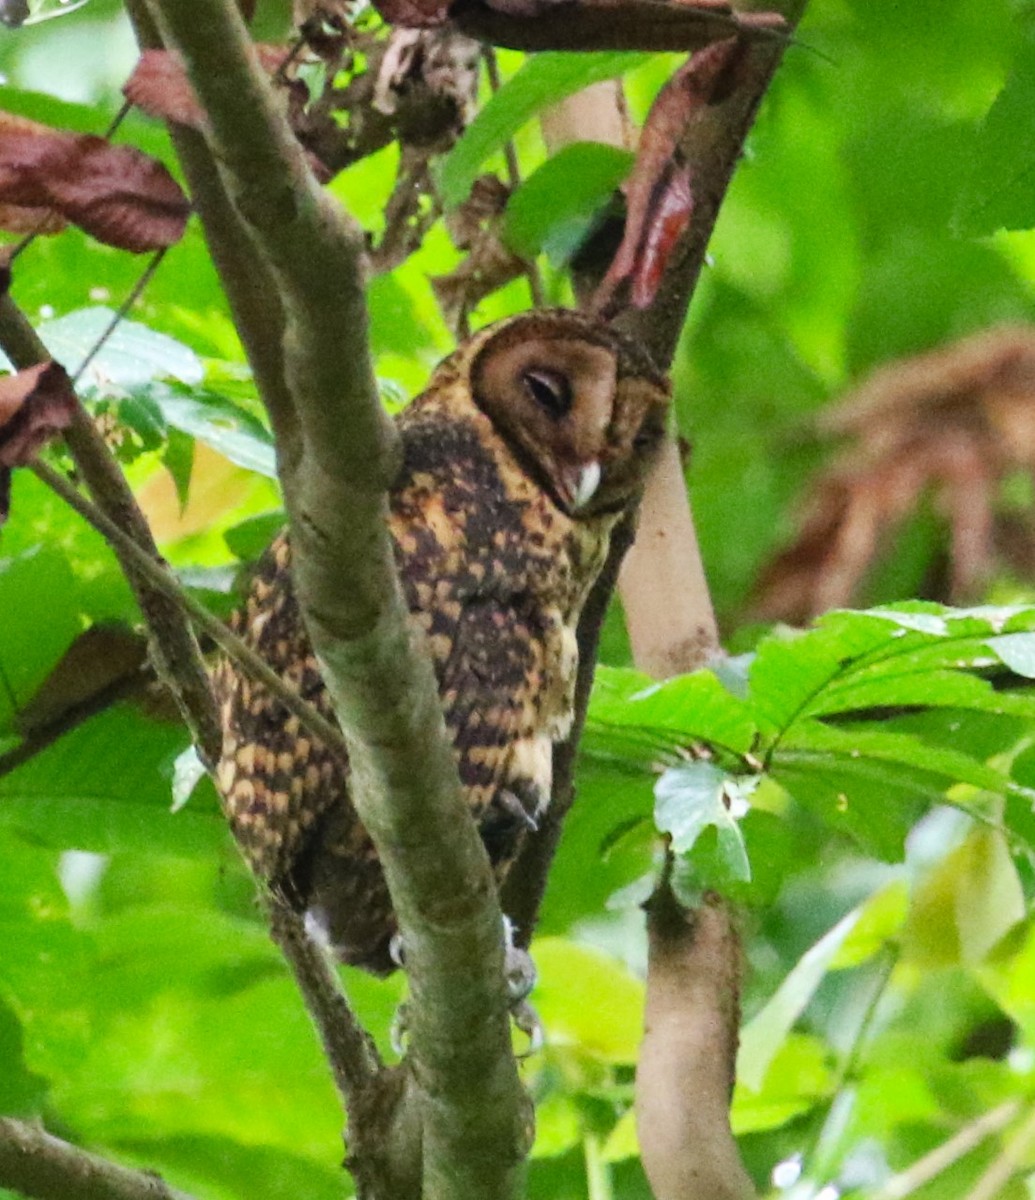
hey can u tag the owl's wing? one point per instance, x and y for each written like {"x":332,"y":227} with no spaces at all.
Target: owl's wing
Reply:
{"x":493,"y":683}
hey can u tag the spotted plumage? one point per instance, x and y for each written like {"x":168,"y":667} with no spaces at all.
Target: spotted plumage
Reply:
{"x":524,"y":450}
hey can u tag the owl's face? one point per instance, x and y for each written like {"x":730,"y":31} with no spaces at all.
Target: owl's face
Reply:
{"x":581,"y":408}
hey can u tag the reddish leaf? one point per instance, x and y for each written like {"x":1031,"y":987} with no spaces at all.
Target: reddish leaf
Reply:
{"x":160,"y":87}
{"x":35,"y":404}
{"x":659,"y":192}
{"x":19,"y":218}
{"x":116,"y":194}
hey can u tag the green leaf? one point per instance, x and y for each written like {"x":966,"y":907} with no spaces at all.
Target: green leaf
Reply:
{"x":1000,"y":189}
{"x":693,"y":797}
{"x":40,"y":621}
{"x":1016,"y":651}
{"x":799,"y":1076}
{"x":132,"y":355}
{"x":762,"y":1036}
{"x":178,"y":460}
{"x":694,"y":707}
{"x":543,"y":79}
{"x":21,"y":1091}
{"x":250,"y":538}
{"x":71,"y":795}
{"x":585,"y":997}
{"x":876,"y":744}
{"x":213,"y":420}
{"x":556,"y":204}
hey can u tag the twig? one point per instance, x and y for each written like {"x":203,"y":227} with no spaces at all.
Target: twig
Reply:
{"x":948,"y":1153}
{"x":119,"y":316}
{"x":36,"y":1164}
{"x":161,"y":579}
{"x":1015,"y":1154}
{"x":350,"y":1051}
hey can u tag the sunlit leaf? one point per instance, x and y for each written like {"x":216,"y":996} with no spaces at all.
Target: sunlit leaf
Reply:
{"x":544,"y":79}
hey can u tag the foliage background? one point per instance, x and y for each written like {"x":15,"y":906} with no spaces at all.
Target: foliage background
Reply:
{"x":142,"y":1009}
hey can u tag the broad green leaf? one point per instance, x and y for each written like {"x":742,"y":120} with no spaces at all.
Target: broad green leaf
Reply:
{"x":622,"y":1142}
{"x":556,"y":204}
{"x":693,"y":797}
{"x":215,"y":421}
{"x":989,"y":899}
{"x":21,"y":1091}
{"x":965,"y":903}
{"x":788,"y":674}
{"x":589,"y":999}
{"x":860,"y":744}
{"x":916,"y":683}
{"x":874,"y":801}
{"x":1016,"y":651}
{"x":250,"y":538}
{"x":763,"y":1035}
{"x":1000,"y":187}
{"x":543,"y":79}
{"x":223,"y":1168}
{"x":40,"y":621}
{"x":106,"y":786}
{"x":880,"y":922}
{"x":798,"y":1078}
{"x":694,"y":707}
{"x":132,"y":355}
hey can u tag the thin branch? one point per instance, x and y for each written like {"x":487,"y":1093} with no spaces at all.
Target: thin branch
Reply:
{"x":1007,"y":1164}
{"x":36,"y":1164}
{"x":160,"y":578}
{"x":350,"y":1051}
{"x":949,"y":1153}
{"x":120,"y":315}
{"x":403,"y":777}
{"x":174,"y":649}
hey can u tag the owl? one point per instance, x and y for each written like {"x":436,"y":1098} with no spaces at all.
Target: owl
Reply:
{"x":527,"y":446}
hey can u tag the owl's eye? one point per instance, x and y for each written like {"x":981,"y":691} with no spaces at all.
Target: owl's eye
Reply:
{"x":550,"y":390}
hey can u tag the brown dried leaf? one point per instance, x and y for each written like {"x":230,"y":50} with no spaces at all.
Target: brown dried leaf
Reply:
{"x":18,"y":218}
{"x":103,"y":659}
{"x":659,"y":192}
{"x":951,"y":424}
{"x":489,"y":264}
{"x":159,"y":85}
{"x":35,"y":404}
{"x":117,"y":194}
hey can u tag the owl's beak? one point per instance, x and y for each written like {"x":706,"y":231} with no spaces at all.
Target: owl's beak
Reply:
{"x":582,"y":484}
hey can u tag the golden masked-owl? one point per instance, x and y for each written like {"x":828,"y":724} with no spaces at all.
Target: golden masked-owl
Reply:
{"x":528,"y":444}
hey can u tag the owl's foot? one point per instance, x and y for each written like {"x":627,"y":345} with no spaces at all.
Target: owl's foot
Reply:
{"x":519,"y":975}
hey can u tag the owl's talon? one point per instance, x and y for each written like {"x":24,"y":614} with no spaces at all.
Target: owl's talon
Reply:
{"x":527,"y":1020}
{"x":396,"y":950}
{"x":512,"y":805}
{"x":400,"y":1028}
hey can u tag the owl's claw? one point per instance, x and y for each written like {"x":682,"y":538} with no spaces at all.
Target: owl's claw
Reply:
{"x":519,"y":976}
{"x":511,"y":803}
{"x":527,"y":1020}
{"x":395,"y":950}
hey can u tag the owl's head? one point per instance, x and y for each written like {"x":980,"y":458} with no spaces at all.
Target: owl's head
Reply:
{"x":582,"y":408}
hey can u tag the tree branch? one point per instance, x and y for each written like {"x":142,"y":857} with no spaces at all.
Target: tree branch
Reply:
{"x":403,"y":778}
{"x":37,"y":1164}
{"x":174,"y":649}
